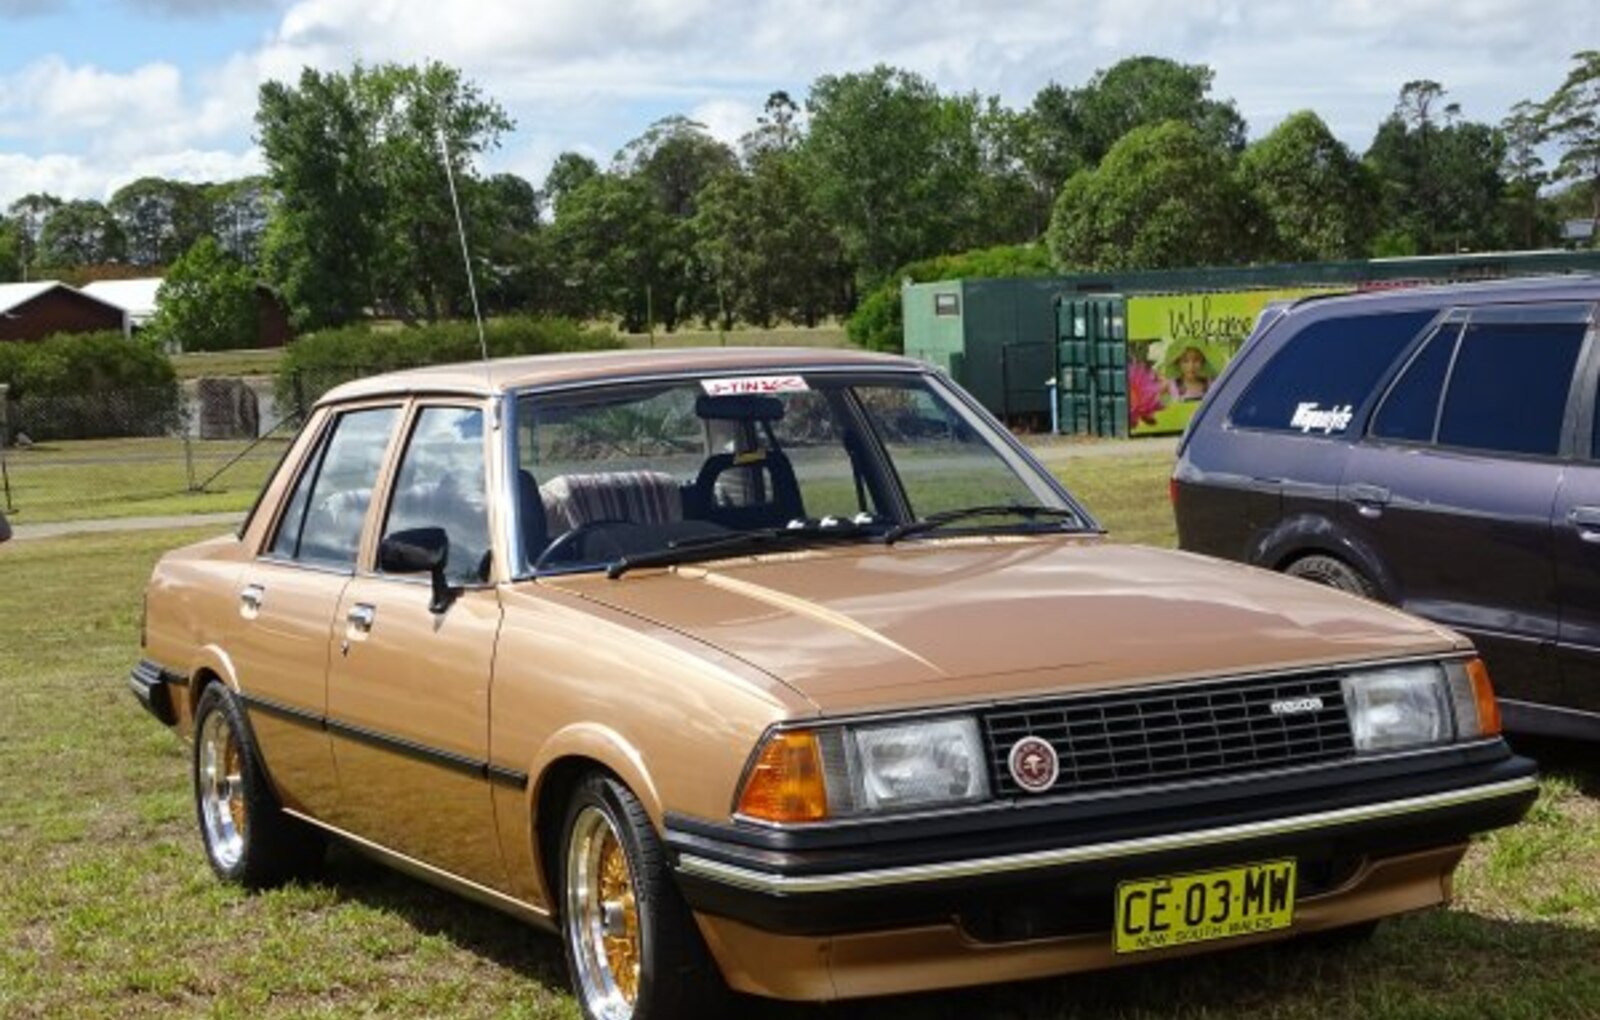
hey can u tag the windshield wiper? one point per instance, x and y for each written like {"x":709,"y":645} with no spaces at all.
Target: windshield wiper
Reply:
{"x":944,"y":517}
{"x":711,"y":546}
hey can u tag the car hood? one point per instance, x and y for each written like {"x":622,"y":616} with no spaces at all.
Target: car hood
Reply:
{"x":960,"y":620}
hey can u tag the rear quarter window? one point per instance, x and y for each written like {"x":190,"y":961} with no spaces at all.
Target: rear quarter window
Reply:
{"x":1508,"y":387}
{"x":1319,"y":377}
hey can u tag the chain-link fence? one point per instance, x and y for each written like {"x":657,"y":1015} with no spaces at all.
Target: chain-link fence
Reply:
{"x":196,"y":446}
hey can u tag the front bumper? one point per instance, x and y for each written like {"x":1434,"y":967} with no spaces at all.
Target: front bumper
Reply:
{"x":1018,"y":872}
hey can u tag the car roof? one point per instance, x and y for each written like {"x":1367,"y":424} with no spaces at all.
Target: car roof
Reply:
{"x":1570,"y":287}
{"x":499,"y":375}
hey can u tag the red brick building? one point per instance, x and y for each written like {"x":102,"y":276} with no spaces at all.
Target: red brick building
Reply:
{"x":33,"y":311}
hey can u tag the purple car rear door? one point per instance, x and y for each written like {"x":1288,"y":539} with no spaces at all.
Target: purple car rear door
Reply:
{"x":1576,"y":523}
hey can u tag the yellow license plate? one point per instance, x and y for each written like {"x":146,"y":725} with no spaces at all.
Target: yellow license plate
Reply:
{"x":1159,"y":913}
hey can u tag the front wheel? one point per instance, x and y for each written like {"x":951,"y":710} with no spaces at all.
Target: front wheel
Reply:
{"x":1335,"y":573}
{"x":632,"y":947}
{"x":248,"y":838}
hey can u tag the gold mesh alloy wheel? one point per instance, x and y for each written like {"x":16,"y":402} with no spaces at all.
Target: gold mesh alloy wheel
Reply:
{"x":221,"y":788}
{"x":602,"y":916}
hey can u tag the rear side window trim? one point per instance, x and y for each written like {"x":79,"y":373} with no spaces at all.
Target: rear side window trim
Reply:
{"x":1362,"y":410}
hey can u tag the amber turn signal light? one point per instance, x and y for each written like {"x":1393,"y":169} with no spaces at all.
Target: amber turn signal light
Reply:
{"x":1483,"y":697}
{"x":786,"y":782}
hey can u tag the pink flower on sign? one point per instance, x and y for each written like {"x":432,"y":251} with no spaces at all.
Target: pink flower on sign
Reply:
{"x":1146,"y":394}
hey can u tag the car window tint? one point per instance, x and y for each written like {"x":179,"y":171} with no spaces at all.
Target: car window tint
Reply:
{"x":1412,"y":406}
{"x":1325,"y":371}
{"x":1508,"y":388}
{"x":339,"y":499}
{"x":441,"y":484}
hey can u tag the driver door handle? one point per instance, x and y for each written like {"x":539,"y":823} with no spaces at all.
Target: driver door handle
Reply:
{"x":251,"y":598}
{"x":361,"y":616}
{"x":1587,"y":520}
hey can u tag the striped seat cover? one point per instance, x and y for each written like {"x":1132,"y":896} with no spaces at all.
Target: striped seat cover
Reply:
{"x":643,"y":497}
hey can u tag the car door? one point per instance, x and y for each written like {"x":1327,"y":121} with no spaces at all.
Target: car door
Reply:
{"x":288,"y":597}
{"x":1576,"y":523}
{"x":408,"y":692}
{"x":1453,"y":485}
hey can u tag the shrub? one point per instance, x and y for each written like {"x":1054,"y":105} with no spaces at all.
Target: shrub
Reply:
{"x":316,"y":363}
{"x":877,"y":325}
{"x":90,"y":385}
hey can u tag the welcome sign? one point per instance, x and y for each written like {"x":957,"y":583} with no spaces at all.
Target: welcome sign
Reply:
{"x":1179,"y":343}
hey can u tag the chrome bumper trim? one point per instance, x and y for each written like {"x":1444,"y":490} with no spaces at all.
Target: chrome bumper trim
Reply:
{"x":791,"y":885}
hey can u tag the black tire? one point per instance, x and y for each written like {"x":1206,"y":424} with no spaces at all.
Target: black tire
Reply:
{"x":248,"y":839}
{"x":675,"y":976}
{"x":1335,"y":573}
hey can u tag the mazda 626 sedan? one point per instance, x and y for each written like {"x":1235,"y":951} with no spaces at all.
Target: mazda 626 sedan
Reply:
{"x":791,"y":672}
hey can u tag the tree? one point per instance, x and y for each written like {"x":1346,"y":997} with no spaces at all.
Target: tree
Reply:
{"x":207,"y":302}
{"x":891,"y":165}
{"x":364,"y":218}
{"x":1163,"y":197}
{"x":761,"y":244}
{"x":80,"y":233}
{"x":29,"y":213}
{"x":1314,"y":195}
{"x":778,"y":128}
{"x":1133,"y":93}
{"x":1439,"y":181}
{"x":160,"y":219}
{"x":239,"y":213}
{"x":1571,"y":118}
{"x":620,"y":253}
{"x":678,"y":158}
{"x":10,"y":251}
{"x":570,"y":170}
{"x":1524,"y":172}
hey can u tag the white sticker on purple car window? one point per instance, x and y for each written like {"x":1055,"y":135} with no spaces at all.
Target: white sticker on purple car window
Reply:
{"x":1308,"y":417}
{"x":754,"y":384}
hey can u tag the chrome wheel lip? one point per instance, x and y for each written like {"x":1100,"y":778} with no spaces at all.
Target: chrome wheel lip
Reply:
{"x":586,"y":916}
{"x":219,"y":785}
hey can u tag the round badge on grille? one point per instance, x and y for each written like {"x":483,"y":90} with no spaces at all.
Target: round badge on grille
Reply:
{"x":1034,"y":764}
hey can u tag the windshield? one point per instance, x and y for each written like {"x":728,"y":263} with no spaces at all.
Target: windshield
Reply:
{"x":638,"y":470}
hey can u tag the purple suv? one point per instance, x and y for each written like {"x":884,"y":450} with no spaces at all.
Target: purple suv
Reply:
{"x":1437,"y":448}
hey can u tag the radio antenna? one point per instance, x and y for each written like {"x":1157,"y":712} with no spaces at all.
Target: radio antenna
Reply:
{"x":466,"y":258}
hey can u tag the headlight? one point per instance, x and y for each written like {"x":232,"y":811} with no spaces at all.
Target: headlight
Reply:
{"x":845,"y":771}
{"x":1401,"y":707}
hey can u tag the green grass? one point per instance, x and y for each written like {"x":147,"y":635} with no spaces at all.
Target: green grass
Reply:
{"x":107,"y":909}
{"x":227,"y":363}
{"x":79,"y":480}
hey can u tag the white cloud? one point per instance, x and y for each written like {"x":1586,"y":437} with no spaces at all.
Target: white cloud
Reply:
{"x":576,"y":74}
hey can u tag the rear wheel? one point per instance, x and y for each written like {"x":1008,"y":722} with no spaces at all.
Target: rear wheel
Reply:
{"x":1333,"y":572}
{"x":248,"y":838}
{"x":632,"y":947}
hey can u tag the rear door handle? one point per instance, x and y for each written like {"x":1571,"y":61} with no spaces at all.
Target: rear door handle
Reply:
{"x":361,"y":616}
{"x":1587,"y":520}
{"x":1369,"y":499}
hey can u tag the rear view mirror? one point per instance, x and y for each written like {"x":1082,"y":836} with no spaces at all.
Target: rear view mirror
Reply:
{"x":420,"y":551}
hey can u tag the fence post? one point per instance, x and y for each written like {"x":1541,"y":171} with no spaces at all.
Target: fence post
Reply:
{"x":5,"y":441}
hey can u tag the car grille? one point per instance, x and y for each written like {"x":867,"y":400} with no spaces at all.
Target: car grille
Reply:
{"x":1145,"y":737}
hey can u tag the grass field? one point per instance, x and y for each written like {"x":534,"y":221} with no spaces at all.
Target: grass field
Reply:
{"x":84,"y":479}
{"x":107,"y":909}
{"x":226,"y":363}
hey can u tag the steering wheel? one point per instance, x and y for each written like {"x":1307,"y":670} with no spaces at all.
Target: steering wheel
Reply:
{"x":567,"y":542}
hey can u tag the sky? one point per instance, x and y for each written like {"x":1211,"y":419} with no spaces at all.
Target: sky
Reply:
{"x":97,"y":93}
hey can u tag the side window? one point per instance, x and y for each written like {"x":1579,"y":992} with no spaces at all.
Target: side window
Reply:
{"x":1324,"y":372}
{"x":325,"y":527}
{"x":286,"y":542}
{"x":1411,"y":409}
{"x":1508,"y":388}
{"x":441,"y":484}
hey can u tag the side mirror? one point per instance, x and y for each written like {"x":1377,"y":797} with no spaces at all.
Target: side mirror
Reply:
{"x":5,"y":529}
{"x":420,"y":551}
